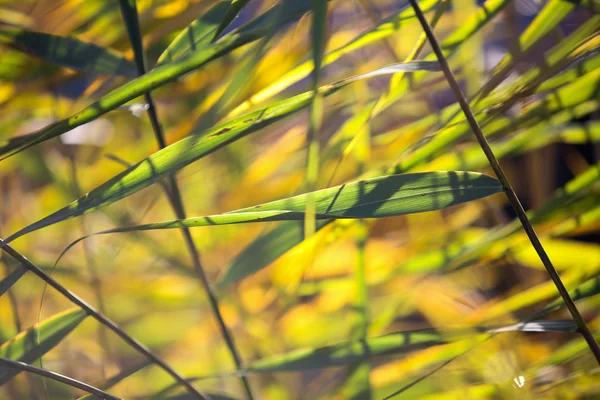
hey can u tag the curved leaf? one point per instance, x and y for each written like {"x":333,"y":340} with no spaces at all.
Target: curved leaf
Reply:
{"x":33,"y":343}
{"x":68,"y":52}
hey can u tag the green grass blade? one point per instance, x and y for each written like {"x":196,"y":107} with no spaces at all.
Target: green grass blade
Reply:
{"x":68,"y":52}
{"x":188,"y":150}
{"x":395,"y":343}
{"x":547,"y":19}
{"x":348,"y":352}
{"x":319,"y":42}
{"x":203,"y":31}
{"x":371,"y":198}
{"x":199,"y":34}
{"x":387,"y":27}
{"x":230,"y":14}
{"x":33,"y":343}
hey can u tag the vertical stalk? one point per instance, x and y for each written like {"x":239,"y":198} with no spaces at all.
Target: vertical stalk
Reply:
{"x":130,"y":15}
{"x":319,"y":40}
{"x":510,"y":193}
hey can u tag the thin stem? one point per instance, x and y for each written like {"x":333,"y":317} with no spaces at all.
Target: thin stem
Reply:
{"x":129,"y":12}
{"x":57,"y":377}
{"x":510,"y":193}
{"x":100,"y":318}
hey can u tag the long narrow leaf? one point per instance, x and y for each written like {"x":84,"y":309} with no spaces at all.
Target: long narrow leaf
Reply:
{"x":176,"y":156}
{"x":372,"y":198}
{"x":395,"y":343}
{"x":33,"y":343}
{"x":197,"y":35}
{"x":67,"y":52}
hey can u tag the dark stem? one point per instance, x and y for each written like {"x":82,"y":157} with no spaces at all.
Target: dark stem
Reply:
{"x":99,"y":317}
{"x":129,"y":11}
{"x":57,"y":377}
{"x":510,"y":193}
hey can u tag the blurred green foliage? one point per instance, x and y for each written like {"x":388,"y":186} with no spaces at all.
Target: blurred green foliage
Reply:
{"x":350,"y":296}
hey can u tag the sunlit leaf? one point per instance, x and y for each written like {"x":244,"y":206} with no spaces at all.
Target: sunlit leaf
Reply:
{"x":33,"y":343}
{"x":178,"y":155}
{"x":372,"y":198}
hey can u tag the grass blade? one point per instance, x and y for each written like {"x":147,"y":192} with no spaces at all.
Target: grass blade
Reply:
{"x":371,"y":198}
{"x":129,"y":12}
{"x":394,"y":343}
{"x":178,"y":155}
{"x":230,"y":14}
{"x":514,"y":200}
{"x":33,"y":343}
{"x":387,"y":27}
{"x":68,"y":52}
{"x":8,"y":281}
{"x":319,"y":41}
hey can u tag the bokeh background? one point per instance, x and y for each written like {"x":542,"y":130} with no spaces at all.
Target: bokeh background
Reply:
{"x":460,"y":267}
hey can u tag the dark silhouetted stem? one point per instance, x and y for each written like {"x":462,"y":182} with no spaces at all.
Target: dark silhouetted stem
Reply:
{"x":510,"y":193}
{"x":129,"y":11}
{"x":99,"y":317}
{"x":57,"y":377}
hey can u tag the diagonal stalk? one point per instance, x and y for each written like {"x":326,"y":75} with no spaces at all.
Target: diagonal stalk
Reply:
{"x":510,"y":193}
{"x":8,"y":363}
{"x":100,"y":318}
{"x":129,"y":12}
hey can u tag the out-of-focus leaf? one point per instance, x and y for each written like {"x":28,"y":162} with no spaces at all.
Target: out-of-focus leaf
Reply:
{"x":589,"y":217}
{"x":264,"y":250}
{"x":384,"y":29}
{"x":565,"y":98}
{"x":8,"y":281}
{"x":117,"y":378}
{"x":230,"y":14}
{"x":394,"y":343}
{"x":204,"y":30}
{"x":356,"y":386}
{"x":548,"y":18}
{"x":178,"y":155}
{"x":24,"y":347}
{"x":67,"y":52}
{"x":459,"y":253}
{"x":348,"y":352}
